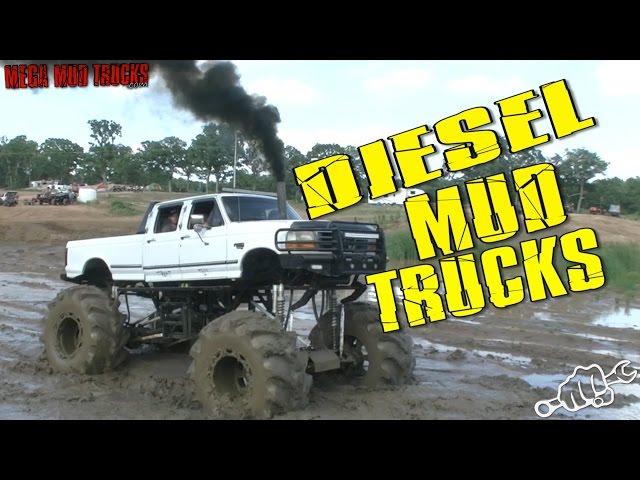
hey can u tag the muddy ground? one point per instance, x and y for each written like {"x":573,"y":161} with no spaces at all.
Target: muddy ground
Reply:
{"x":495,"y":365}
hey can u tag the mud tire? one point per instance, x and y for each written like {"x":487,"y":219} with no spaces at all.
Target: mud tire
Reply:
{"x":389,"y":355}
{"x":84,"y":332}
{"x":245,"y":366}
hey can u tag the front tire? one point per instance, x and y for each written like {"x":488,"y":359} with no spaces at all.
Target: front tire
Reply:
{"x":244,"y":365}
{"x":83,"y":332}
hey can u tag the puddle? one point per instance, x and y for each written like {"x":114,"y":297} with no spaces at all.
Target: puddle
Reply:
{"x":469,"y":322}
{"x":544,"y":380}
{"x":438,"y":347}
{"x":17,"y":313}
{"x":594,"y":337}
{"x":631,"y":411}
{"x":41,"y":289}
{"x":620,"y":318}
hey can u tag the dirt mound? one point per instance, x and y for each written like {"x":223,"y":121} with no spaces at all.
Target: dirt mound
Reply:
{"x":52,"y":224}
{"x":609,"y":229}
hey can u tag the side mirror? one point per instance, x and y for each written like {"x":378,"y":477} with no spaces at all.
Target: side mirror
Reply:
{"x":195,"y":219}
{"x":199,"y":227}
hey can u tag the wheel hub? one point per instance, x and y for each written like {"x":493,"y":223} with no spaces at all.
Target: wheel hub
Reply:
{"x":69,"y":336}
{"x":231,"y":373}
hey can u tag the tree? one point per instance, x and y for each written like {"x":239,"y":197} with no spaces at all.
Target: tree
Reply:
{"x":630,"y":202}
{"x":576,"y":168}
{"x":103,"y":151}
{"x":162,"y":158}
{"x":58,"y":159}
{"x":127,"y":167}
{"x":176,"y":155}
{"x":293,"y":158}
{"x":606,"y":191}
{"x":189,"y":166}
{"x":212,"y":150}
{"x":17,"y":157}
{"x":504,"y":163}
{"x":252,"y":160}
{"x":323,"y":150}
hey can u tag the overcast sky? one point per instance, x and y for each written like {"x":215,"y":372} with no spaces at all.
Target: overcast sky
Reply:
{"x":354,"y":102}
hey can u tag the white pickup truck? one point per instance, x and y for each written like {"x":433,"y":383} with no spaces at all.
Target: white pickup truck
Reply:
{"x":200,"y":260}
{"x":225,"y":237}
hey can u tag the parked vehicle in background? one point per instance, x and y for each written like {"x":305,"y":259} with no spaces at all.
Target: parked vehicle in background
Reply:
{"x":63,"y":198}
{"x":45,"y":197}
{"x":397,"y":198}
{"x":595,"y":210}
{"x":614,"y":210}
{"x":9,"y":199}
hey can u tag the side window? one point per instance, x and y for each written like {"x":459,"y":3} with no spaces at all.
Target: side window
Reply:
{"x":215,"y":219}
{"x":205,"y":212}
{"x":200,"y":212}
{"x":167,"y":220}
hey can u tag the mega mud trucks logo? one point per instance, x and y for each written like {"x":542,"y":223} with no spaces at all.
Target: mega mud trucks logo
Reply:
{"x":438,"y":222}
{"x":36,"y":75}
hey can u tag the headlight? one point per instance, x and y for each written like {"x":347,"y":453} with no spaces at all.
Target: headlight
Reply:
{"x":296,"y":240}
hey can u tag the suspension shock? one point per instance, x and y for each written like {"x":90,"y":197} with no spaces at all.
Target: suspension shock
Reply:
{"x":337,"y":321}
{"x":279,"y":303}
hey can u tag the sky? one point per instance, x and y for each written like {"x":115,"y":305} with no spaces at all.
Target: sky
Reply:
{"x":354,"y":103}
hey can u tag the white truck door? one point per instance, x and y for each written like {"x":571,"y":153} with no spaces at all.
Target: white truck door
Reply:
{"x":161,"y":249}
{"x":203,"y":256}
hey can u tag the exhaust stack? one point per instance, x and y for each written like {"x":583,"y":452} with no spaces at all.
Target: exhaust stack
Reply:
{"x":282,"y":200}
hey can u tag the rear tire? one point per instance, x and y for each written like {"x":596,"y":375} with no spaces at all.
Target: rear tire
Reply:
{"x":84,"y":331}
{"x":376,"y":358}
{"x":244,"y":365}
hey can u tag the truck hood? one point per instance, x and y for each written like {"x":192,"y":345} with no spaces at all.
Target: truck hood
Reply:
{"x":261,"y":225}
{"x":334,"y":225}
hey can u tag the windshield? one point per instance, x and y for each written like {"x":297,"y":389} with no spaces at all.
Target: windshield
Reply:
{"x":248,"y":209}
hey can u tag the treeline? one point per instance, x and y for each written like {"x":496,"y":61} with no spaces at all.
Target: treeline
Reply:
{"x":206,"y":164}
{"x":203,"y":165}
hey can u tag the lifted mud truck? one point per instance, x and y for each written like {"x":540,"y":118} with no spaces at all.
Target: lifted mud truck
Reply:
{"x":216,"y":268}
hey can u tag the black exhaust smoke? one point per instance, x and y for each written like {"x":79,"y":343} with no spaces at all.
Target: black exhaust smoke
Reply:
{"x":216,"y":94}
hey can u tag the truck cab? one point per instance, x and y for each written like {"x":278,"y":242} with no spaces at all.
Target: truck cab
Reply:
{"x":207,"y":237}
{"x":223,"y":238}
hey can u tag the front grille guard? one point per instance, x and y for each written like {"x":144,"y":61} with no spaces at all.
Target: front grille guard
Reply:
{"x":334,"y":240}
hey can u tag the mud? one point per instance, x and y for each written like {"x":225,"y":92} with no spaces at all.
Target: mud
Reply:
{"x":495,"y":365}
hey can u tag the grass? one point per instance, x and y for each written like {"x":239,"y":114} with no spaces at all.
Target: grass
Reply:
{"x":120,"y":208}
{"x":621,"y":260}
{"x":401,"y":247}
{"x":621,"y":266}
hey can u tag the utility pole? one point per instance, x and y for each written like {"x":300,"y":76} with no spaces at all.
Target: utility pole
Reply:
{"x":580,"y":197}
{"x":235,"y":157}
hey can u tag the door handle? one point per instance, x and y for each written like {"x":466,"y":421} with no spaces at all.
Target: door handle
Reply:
{"x":186,"y":236}
{"x":152,"y":240}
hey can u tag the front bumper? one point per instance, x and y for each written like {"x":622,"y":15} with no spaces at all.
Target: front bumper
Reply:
{"x":343,"y":248}
{"x":334,"y":265}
